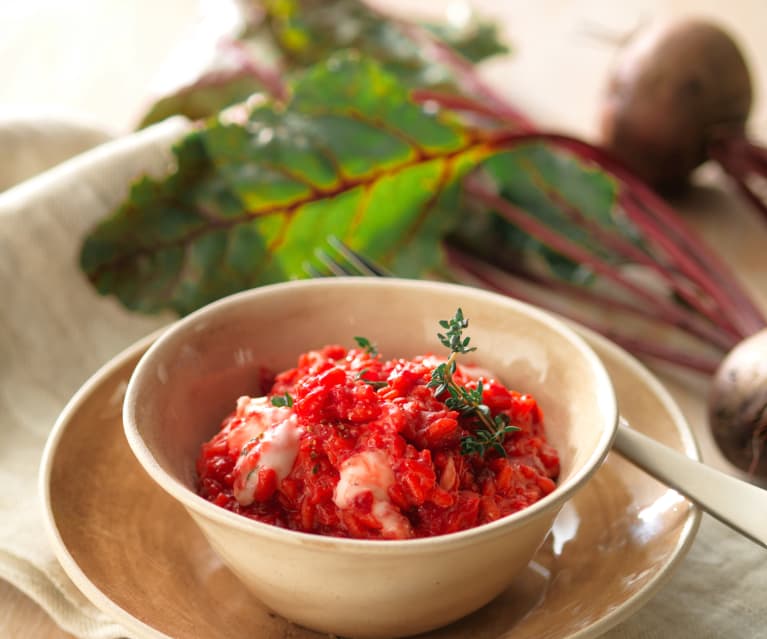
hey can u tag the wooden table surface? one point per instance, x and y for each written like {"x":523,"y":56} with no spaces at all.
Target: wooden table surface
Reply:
{"x":556,"y":75}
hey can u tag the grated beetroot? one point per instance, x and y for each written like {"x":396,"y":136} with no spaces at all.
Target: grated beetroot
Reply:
{"x":367,"y":451}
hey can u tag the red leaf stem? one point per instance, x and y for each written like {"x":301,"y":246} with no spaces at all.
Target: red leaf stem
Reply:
{"x":468,"y":78}
{"x":740,"y":159}
{"x":710,"y":271}
{"x":704,"y":365}
{"x":736,"y":311}
{"x":656,"y":350}
{"x":732,"y":302}
{"x":458,"y":102}
{"x":745,"y":189}
{"x":655,"y":232}
{"x":665,"y":308}
{"x":737,"y":151}
{"x":758,"y":153}
{"x":613,"y":241}
{"x":593,"y":296}
{"x":710,"y":264}
{"x":475,"y":85}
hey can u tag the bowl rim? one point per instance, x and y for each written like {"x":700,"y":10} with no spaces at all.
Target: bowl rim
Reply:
{"x":199,"y":506}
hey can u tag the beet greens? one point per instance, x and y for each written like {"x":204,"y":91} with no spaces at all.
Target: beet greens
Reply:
{"x":399,"y":148}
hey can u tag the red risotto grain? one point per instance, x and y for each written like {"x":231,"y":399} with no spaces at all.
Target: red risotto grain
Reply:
{"x":373,"y":461}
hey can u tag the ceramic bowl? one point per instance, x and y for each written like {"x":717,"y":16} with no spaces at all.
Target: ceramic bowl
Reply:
{"x":191,"y":377}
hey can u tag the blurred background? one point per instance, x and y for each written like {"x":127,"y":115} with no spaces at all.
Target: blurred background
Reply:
{"x":101,"y":62}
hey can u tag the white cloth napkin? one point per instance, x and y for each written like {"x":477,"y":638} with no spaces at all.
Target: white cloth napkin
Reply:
{"x":55,"y":331}
{"x":30,"y":145}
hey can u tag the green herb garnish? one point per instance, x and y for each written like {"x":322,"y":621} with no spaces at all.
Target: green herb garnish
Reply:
{"x":282,"y":400}
{"x":493,"y":429}
{"x":365,"y":344}
{"x":371,"y":382}
{"x":371,"y":349}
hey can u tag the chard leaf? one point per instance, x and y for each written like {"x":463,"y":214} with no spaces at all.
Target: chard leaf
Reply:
{"x":349,"y":155}
{"x":207,"y":96}
{"x":307,"y":31}
{"x":287,"y":36}
{"x":556,"y":188}
{"x":476,"y":40}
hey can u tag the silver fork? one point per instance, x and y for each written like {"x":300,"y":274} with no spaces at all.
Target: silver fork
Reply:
{"x":342,"y":261}
{"x":736,"y":503}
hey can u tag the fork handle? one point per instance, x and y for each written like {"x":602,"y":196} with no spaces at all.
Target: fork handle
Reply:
{"x":740,"y":505}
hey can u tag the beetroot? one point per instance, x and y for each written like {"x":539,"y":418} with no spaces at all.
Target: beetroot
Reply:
{"x":678,"y":89}
{"x":738,"y":405}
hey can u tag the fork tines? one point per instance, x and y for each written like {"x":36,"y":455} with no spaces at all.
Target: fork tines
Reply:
{"x":343,"y":261}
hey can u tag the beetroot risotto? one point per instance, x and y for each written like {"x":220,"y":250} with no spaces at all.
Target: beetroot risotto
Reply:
{"x":349,"y":445}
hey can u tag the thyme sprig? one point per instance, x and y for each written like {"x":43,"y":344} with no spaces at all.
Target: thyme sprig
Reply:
{"x":375,"y":384}
{"x":366,"y":345}
{"x":371,"y":349}
{"x":466,"y":401}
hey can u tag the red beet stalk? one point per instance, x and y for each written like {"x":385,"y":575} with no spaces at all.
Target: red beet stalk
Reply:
{"x":666,"y":308}
{"x":632,"y":253}
{"x":657,"y":350}
{"x":745,"y":162}
{"x":692,"y":270}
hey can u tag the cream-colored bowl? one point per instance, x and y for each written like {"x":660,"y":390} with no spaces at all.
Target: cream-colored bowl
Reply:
{"x":190,"y":378}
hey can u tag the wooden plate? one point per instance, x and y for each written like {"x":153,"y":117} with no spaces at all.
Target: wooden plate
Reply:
{"x":138,"y":556}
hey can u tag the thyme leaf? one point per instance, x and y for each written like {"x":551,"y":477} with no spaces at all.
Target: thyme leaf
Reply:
{"x":365,"y":344}
{"x":282,"y":400}
{"x":466,"y":401}
{"x":375,"y":384}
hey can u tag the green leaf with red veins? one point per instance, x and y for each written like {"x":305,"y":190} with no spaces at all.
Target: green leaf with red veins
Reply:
{"x":205,"y":97}
{"x":308,"y":31}
{"x":475,"y":40}
{"x":286,"y":36}
{"x":558,"y":190}
{"x":350,"y":156}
